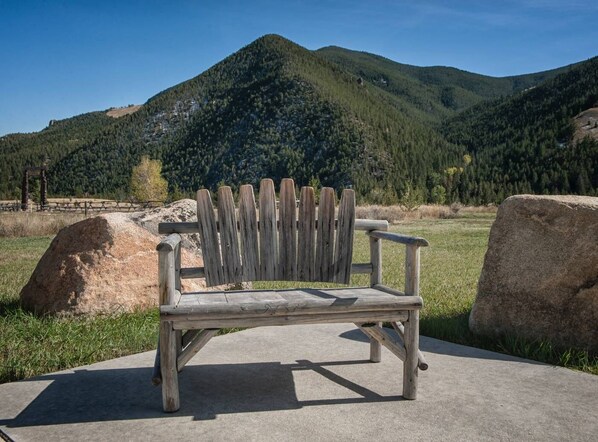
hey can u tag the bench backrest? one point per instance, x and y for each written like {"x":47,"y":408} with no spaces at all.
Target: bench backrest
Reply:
{"x":299,"y":246}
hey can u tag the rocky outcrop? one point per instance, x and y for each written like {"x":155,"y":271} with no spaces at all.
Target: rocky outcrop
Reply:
{"x":540,"y":273}
{"x":179,"y":211}
{"x":106,"y":264}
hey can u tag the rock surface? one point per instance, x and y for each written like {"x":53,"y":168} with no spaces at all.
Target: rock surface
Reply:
{"x":105,"y":264}
{"x":540,"y":274}
{"x":179,"y":211}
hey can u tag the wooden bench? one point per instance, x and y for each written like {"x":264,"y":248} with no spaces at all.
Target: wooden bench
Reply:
{"x":251,"y":245}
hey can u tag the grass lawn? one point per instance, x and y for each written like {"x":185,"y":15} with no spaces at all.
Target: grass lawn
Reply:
{"x":30,"y":345}
{"x":450,"y":270}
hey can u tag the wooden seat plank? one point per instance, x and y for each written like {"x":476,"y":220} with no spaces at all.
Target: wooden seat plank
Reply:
{"x":257,"y":303}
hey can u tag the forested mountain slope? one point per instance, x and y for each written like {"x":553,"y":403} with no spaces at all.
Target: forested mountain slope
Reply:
{"x":53,"y":143}
{"x":438,"y":91}
{"x":525,"y":143}
{"x":272,"y":109}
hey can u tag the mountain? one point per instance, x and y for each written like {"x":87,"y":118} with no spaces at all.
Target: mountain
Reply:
{"x":54,"y":142}
{"x":332,"y":117}
{"x":272,"y":109}
{"x":528,"y":143}
{"x":437,"y":91}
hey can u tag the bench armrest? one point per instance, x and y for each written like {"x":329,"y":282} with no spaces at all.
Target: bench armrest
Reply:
{"x":413,"y":244}
{"x":398,"y":238}
{"x":169,"y":243}
{"x":169,"y":269}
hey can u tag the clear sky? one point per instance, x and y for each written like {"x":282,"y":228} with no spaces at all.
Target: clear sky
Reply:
{"x":61,"y":58}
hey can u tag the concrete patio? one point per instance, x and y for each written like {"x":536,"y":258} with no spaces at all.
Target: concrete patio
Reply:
{"x":307,"y":383}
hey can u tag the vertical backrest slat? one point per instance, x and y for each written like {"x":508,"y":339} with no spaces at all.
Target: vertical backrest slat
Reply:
{"x":306,"y":240}
{"x":325,"y":238}
{"x":248,"y":231}
{"x":343,"y":254}
{"x":208,"y":233}
{"x":287,"y":245}
{"x":268,"y":231}
{"x":229,"y":242}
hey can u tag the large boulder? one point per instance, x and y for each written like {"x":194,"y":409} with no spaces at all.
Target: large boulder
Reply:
{"x":103,"y":265}
{"x":540,"y":274}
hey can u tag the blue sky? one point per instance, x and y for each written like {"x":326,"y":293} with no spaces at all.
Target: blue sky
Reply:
{"x":62,"y":58}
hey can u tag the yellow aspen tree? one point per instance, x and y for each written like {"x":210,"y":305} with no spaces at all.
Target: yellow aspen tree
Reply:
{"x":147,"y":183}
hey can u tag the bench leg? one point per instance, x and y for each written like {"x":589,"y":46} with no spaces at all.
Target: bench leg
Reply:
{"x":375,"y":348}
{"x":168,"y":357}
{"x":410,"y":366}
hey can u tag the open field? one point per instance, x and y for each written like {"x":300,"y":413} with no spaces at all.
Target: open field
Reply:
{"x":450,"y":269}
{"x":14,"y":224}
{"x":28,"y":224}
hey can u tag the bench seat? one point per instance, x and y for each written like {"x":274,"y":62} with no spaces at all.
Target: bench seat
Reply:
{"x":287,"y":306}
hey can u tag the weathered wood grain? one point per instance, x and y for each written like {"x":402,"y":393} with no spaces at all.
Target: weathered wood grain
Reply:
{"x":166,"y":277}
{"x":287,"y":301}
{"x":383,"y":337}
{"x":421,"y":359}
{"x":306,"y":253}
{"x":198,"y":272}
{"x":410,"y":365}
{"x":398,"y":238}
{"x":343,"y":249}
{"x":188,"y":337}
{"x":323,"y":318}
{"x":191,"y":227}
{"x":287,"y":247}
{"x":193,"y":272}
{"x":268,"y":232}
{"x":196,"y":344}
{"x":412,"y":262}
{"x":156,"y":372}
{"x":229,"y":242}
{"x":375,"y":278}
{"x":206,"y":220}
{"x":168,"y":369}
{"x":362,"y":267}
{"x":177,"y":267}
{"x":325,"y":237}
{"x":248,"y":229}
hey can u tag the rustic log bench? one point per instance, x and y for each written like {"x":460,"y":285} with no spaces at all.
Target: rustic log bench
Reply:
{"x":300,"y":246}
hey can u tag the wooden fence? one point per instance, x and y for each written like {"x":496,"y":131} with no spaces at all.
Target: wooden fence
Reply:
{"x":83,"y":206}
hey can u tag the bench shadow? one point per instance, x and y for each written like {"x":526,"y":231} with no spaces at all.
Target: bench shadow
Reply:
{"x":206,"y":391}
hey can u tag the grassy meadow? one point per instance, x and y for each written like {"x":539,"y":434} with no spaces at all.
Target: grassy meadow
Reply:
{"x":450,"y":269}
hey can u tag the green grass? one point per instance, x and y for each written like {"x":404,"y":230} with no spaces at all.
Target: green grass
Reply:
{"x":451,"y":266}
{"x":31,"y":345}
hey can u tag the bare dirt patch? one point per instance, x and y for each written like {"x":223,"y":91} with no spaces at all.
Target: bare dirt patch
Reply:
{"x":118,"y":112}
{"x":586,"y":124}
